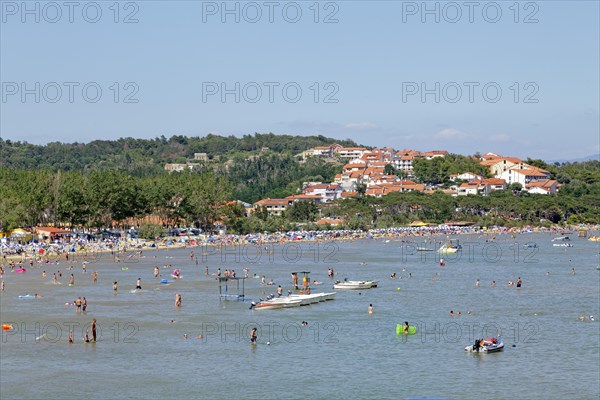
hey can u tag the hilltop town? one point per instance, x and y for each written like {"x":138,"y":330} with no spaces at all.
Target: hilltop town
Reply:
{"x":380,"y":171}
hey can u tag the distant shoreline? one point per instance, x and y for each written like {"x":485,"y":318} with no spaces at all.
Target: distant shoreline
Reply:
{"x":134,"y":246}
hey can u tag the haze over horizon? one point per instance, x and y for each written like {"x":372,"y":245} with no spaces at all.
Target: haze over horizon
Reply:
{"x":514,"y":80}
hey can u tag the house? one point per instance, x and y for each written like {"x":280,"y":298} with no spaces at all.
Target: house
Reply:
{"x":492,"y":184}
{"x":498,"y":165}
{"x":320,"y":151}
{"x":303,"y":197}
{"x":349,"y":152}
{"x":273,"y":206}
{"x":466,"y":176}
{"x":352,"y":167}
{"x":180,"y":167}
{"x":327,"y":192}
{"x":467,"y":188}
{"x":548,"y":186}
{"x":201,"y":157}
{"x":524,"y":176}
{"x":433,"y":154}
{"x":349,"y":194}
{"x":46,"y":232}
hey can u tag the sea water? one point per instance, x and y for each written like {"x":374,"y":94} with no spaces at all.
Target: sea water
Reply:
{"x":344,"y":352}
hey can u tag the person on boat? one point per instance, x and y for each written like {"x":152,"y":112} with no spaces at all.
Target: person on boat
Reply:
{"x":406,"y":327}
{"x":253,"y":335}
{"x":279,"y":291}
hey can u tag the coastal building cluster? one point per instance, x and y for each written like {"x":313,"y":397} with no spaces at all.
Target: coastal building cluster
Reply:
{"x":367,"y":172}
{"x":366,"y":169}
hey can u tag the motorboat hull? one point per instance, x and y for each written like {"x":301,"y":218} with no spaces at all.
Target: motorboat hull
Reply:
{"x":487,"y":347}
{"x":355,"y":285}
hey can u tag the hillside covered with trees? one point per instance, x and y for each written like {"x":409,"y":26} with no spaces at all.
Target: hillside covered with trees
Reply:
{"x":142,"y":157}
{"x":106,"y":182}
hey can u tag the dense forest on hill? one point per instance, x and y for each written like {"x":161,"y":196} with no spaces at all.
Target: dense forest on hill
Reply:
{"x":143,"y":157}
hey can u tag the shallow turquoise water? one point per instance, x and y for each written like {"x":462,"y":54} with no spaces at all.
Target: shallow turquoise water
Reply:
{"x":343,"y":353}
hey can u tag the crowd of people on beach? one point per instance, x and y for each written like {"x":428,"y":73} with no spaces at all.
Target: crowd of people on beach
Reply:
{"x":19,"y":257}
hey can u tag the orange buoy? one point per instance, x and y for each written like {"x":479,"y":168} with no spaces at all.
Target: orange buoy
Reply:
{"x":7,"y":327}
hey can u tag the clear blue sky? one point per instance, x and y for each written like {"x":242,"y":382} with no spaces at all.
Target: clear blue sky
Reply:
{"x":372,"y":55}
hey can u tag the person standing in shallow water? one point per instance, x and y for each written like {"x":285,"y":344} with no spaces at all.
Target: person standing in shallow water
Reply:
{"x":177,"y":300}
{"x":93,"y":329}
{"x":519,"y":282}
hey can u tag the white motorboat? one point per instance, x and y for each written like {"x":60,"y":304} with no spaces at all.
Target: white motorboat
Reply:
{"x":561,"y":238}
{"x":489,"y":345}
{"x":313,"y":298}
{"x":562,"y":245}
{"x":275,"y":303}
{"x":354,"y":285}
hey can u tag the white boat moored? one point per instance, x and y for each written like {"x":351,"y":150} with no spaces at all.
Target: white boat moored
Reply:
{"x":354,"y":285}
